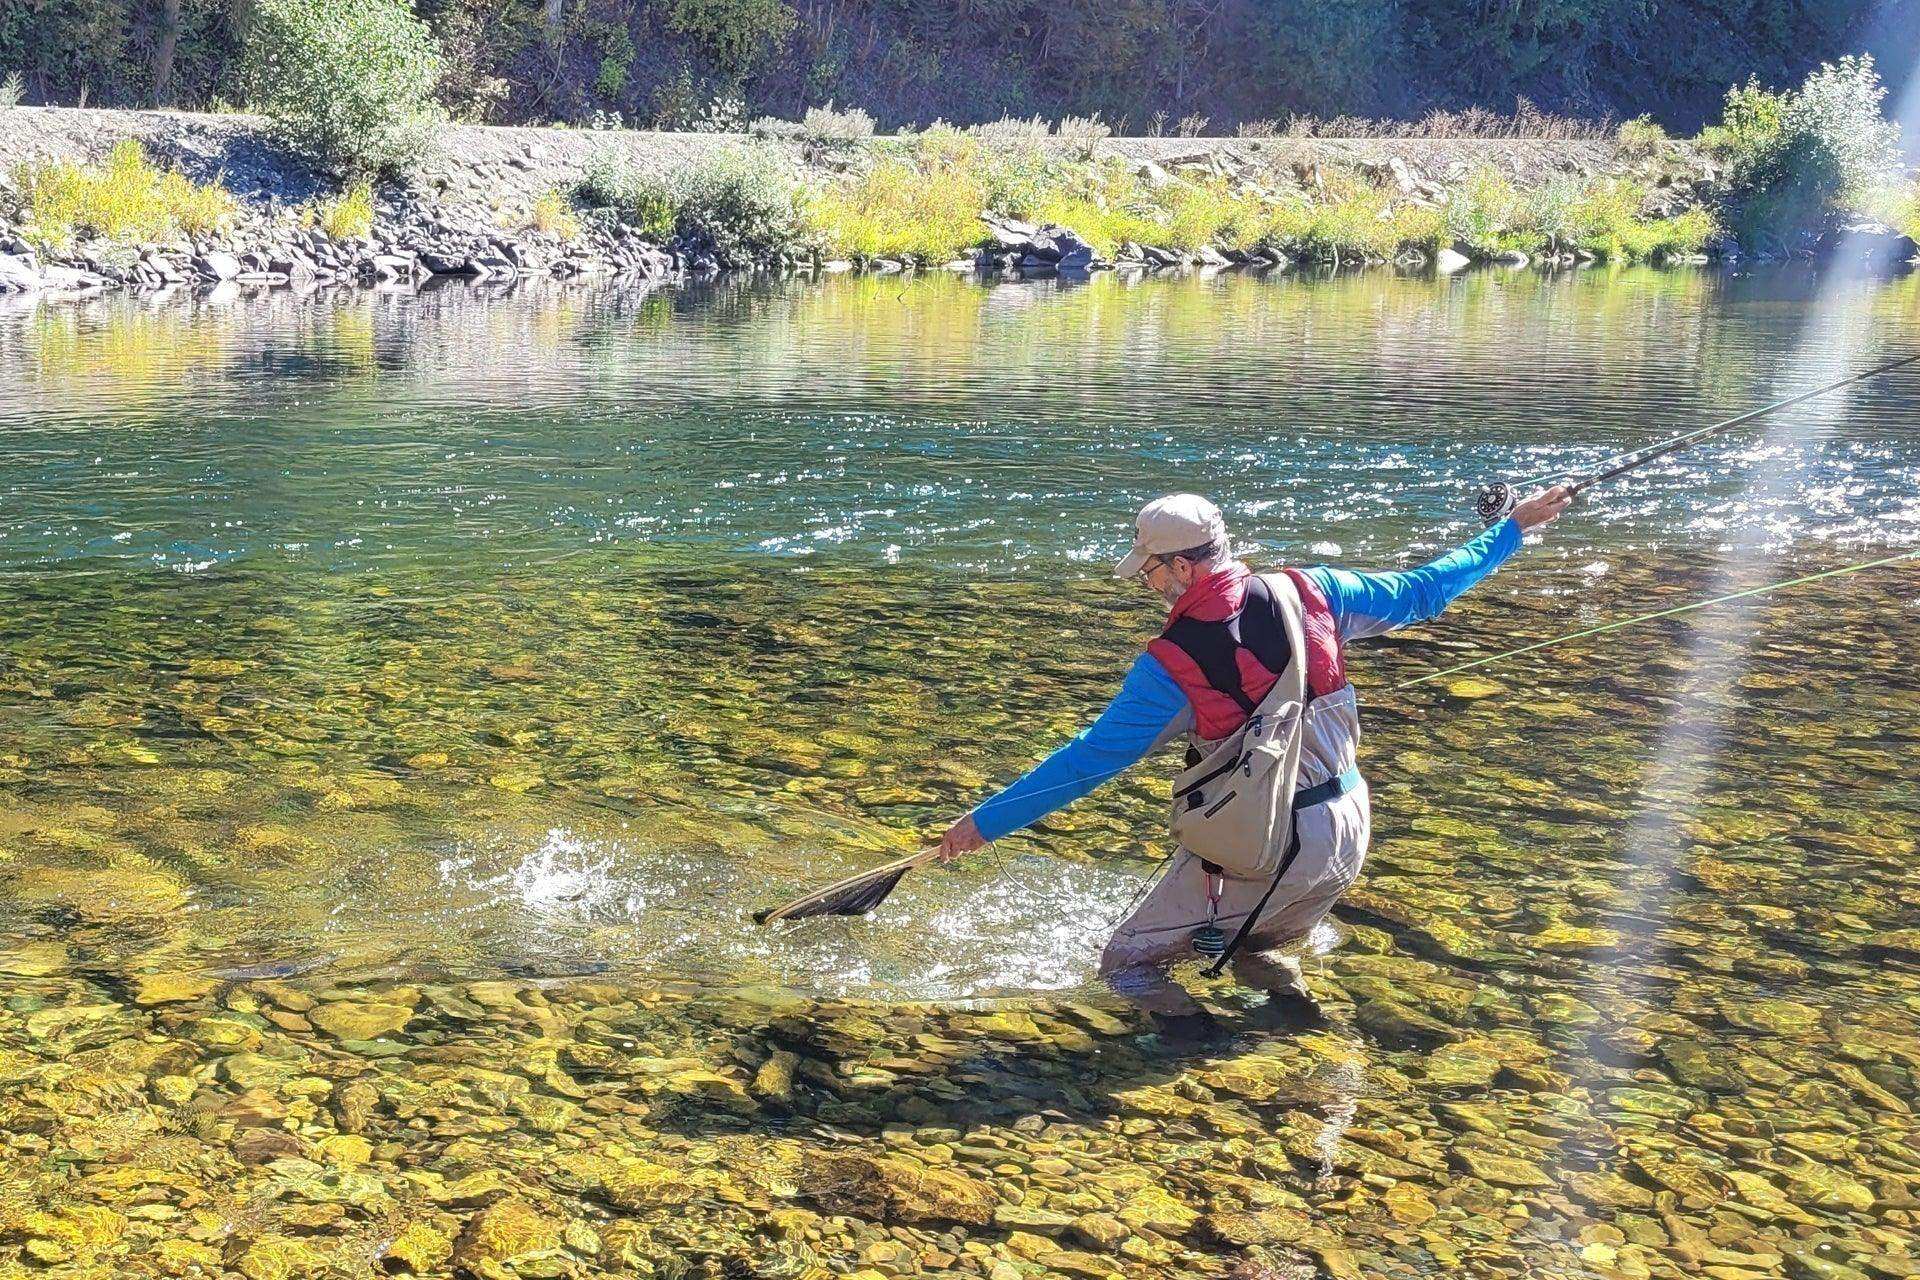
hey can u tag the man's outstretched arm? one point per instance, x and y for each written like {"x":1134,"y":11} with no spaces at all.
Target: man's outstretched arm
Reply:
{"x":1140,"y":715}
{"x":1370,"y":604}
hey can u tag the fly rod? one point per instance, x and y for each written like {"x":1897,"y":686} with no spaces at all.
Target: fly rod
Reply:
{"x":1496,"y":500}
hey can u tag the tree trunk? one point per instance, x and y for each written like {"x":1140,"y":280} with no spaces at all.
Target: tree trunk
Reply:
{"x":555,"y":12}
{"x":163,"y":50}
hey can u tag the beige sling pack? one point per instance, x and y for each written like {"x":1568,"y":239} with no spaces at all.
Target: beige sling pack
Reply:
{"x":1235,"y":807}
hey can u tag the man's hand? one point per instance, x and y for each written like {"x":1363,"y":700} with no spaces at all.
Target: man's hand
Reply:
{"x":962,"y":837}
{"x":1536,"y":509}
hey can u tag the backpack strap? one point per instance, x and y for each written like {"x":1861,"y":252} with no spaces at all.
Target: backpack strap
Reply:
{"x":1212,"y":647}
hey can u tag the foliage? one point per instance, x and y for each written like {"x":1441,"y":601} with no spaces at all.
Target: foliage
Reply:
{"x":910,"y":61}
{"x":126,"y":199}
{"x":736,"y":34}
{"x":899,"y":209}
{"x":610,"y":180}
{"x":1482,"y":213}
{"x":826,"y":127}
{"x":1793,"y":158}
{"x":348,"y":82}
{"x":552,"y":215}
{"x":1897,"y":204}
{"x":1640,"y":138}
{"x":12,"y":89}
{"x":739,"y":204}
{"x":616,"y":61}
{"x":349,"y":214}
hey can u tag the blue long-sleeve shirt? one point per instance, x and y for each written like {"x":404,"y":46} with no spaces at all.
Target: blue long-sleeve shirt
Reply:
{"x":1143,"y":714}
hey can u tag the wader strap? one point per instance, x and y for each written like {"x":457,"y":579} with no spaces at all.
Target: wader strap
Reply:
{"x":1320,"y":793}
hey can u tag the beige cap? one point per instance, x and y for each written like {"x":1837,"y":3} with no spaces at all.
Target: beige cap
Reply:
{"x":1177,"y":522}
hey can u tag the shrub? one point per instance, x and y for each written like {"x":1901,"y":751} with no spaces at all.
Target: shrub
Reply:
{"x":1259,"y":129}
{"x":1482,"y":213}
{"x":1640,"y":138}
{"x":1897,"y":205}
{"x":609,"y":180}
{"x":616,"y":61}
{"x":1081,"y":134}
{"x":552,"y":215}
{"x":349,"y":214}
{"x":1792,"y":159}
{"x":740,"y":205}
{"x":826,"y":127}
{"x":348,"y":82}
{"x":897,"y":209}
{"x":126,"y":198}
{"x":1009,"y":132}
{"x":12,"y":89}
{"x":735,"y":34}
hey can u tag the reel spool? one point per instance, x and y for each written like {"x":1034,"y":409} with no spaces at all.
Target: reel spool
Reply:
{"x":1495,"y":503}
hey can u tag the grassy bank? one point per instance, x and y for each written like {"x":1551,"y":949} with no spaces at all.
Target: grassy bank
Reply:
{"x":922,"y":198}
{"x":124,"y":200}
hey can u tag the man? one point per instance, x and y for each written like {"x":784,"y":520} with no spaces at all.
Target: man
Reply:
{"x":1242,"y":656}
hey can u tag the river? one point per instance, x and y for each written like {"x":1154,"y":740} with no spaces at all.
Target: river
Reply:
{"x":405,"y":699}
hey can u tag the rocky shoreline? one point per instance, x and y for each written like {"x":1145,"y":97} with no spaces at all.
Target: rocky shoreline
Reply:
{"x":455,"y":218}
{"x":464,"y":213}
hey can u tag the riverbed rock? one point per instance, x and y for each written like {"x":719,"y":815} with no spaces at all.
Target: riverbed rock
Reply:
{"x":502,"y":1238}
{"x":418,"y":1250}
{"x":151,"y":989}
{"x":360,"y":1020}
{"x":896,"y":1189}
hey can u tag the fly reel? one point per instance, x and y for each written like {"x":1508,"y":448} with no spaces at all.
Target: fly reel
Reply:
{"x":1495,"y":503}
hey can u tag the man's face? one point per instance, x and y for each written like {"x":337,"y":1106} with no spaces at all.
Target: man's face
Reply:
{"x":1168,"y":575}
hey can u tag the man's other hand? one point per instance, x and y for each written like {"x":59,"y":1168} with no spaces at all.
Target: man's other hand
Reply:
{"x":962,"y":837}
{"x":1536,"y":509}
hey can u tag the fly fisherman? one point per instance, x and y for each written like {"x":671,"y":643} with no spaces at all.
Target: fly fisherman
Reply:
{"x":1271,"y":802}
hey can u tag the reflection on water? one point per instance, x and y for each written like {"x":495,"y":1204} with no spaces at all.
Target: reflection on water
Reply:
{"x":935,"y":422}
{"x":376,"y":893}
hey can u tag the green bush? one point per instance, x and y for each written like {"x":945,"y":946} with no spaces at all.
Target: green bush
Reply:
{"x":1482,"y":216}
{"x":1640,"y":138}
{"x":739,"y":205}
{"x":12,"y":89}
{"x":897,"y":209}
{"x":645,"y":202}
{"x":348,"y":82}
{"x":351,"y":214}
{"x":736,"y":34}
{"x":1795,"y":158}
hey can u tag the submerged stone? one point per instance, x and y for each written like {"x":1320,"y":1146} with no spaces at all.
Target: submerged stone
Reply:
{"x":896,"y":1188}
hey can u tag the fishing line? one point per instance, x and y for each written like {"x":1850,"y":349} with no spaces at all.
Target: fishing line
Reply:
{"x":1496,"y":500}
{"x":1150,"y":878}
{"x":1661,"y":613}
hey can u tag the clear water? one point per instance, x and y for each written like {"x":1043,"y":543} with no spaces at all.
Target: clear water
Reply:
{"x":404,"y":700}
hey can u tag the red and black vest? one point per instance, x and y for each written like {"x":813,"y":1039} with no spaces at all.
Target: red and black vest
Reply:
{"x":1225,"y":644}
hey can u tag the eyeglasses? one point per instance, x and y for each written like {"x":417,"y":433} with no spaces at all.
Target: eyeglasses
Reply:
{"x":1155,"y":561}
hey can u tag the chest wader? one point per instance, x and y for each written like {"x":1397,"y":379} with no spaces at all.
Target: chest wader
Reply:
{"x":1258,"y":763}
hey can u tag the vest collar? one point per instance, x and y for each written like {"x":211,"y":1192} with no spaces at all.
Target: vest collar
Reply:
{"x":1213,"y":598}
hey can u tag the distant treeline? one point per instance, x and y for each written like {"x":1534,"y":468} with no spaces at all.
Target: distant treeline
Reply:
{"x":1144,"y":66}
